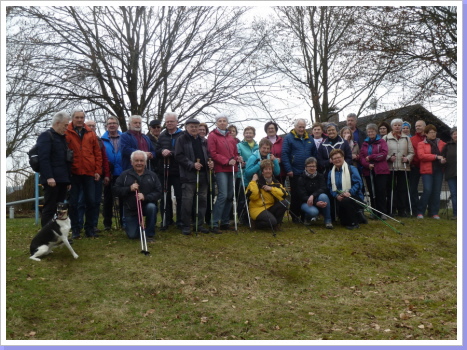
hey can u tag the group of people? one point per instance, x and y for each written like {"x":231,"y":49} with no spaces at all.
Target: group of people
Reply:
{"x":328,"y":171}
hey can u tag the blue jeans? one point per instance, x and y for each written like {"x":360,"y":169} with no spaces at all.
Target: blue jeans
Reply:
{"x":132,"y":224}
{"x":97,"y":205}
{"x":84,"y":184}
{"x":431,"y":195}
{"x":314,"y":211}
{"x":223,"y":205}
{"x":452,"y":183}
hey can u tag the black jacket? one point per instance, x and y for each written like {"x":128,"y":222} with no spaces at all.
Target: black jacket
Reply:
{"x":167,"y":141}
{"x":149,"y":186}
{"x":450,"y":153}
{"x":52,"y":157}
{"x":308,"y":186}
{"x":185,"y":157}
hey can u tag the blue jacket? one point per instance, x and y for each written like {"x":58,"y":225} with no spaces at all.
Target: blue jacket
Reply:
{"x":115,"y":157}
{"x":324,"y":165}
{"x":52,"y":157}
{"x":252,"y":167}
{"x":128,"y":144}
{"x":246,"y":152}
{"x":295,"y":151}
{"x":355,"y":180}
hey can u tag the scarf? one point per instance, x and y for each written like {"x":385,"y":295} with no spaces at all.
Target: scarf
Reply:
{"x":346,"y":179}
{"x":311,"y":176}
{"x":142,"y":144}
{"x":434,"y":146}
{"x":223,"y":132}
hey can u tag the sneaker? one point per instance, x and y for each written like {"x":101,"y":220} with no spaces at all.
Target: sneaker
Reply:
{"x":436,"y":217}
{"x":329,"y":226}
{"x":216,"y":230}
{"x":150,"y":239}
{"x":419,"y":216}
{"x":202,"y":229}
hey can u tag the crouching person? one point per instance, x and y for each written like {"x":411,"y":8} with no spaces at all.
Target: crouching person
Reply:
{"x":312,"y":192}
{"x":140,"y":179}
{"x":267,"y":198}
{"x":192,"y":157}
{"x":344,"y":182}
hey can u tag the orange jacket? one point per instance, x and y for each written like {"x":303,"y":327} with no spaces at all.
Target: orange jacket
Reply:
{"x":87,"y":158}
{"x":426,"y":157}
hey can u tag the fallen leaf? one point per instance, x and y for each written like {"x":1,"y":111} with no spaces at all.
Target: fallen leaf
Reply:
{"x":149,"y":312}
{"x":204,"y":301}
{"x":387,"y":330}
{"x":421,"y":326}
{"x":204,"y":319}
{"x":32,"y":334}
{"x":182,"y":282}
{"x":404,"y":316}
{"x":277,"y":327}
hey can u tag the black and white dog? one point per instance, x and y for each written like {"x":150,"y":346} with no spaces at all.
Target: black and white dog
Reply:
{"x":52,"y":235}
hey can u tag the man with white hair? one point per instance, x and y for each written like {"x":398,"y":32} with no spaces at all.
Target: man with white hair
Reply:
{"x":297,"y":147}
{"x":55,"y":169}
{"x":145,"y":182}
{"x":165,"y":151}
{"x":134,"y":140}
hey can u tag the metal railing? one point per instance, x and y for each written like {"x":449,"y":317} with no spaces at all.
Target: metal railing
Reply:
{"x":35,"y":199}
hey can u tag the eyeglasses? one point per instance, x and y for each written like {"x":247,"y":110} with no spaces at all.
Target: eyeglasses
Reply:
{"x":112,"y":123}
{"x":310,"y":166}
{"x":335,"y":158}
{"x":156,"y":127}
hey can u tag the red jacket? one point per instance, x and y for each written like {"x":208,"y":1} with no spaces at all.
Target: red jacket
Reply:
{"x":105,"y":160}
{"x":416,"y":139}
{"x":277,"y":151}
{"x":426,"y":157}
{"x":222,"y":149}
{"x":87,"y":158}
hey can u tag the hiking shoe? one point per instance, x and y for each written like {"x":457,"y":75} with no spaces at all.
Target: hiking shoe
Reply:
{"x":419,"y":216}
{"x":150,"y":239}
{"x":227,"y":227}
{"x":329,"y":226}
{"x":352,"y":227}
{"x":201,"y":229}
{"x":107,"y":228}
{"x":216,"y":230}
{"x":436,"y":217}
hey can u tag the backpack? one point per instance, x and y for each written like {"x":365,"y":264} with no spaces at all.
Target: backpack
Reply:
{"x":34,"y":155}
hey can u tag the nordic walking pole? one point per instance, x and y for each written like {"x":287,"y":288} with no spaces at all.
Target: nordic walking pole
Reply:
{"x":372,"y":183}
{"x":166,"y":180}
{"x":234,"y":199}
{"x":210,"y":191}
{"x":142,"y":233}
{"x":244,"y":195}
{"x":295,"y":216}
{"x":197,"y":197}
{"x":392,"y":186}
{"x":408,"y":189}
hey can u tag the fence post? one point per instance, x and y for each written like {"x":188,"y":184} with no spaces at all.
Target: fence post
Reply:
{"x":36,"y":194}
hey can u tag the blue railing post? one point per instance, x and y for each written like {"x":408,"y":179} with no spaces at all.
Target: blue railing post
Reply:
{"x":36,"y":187}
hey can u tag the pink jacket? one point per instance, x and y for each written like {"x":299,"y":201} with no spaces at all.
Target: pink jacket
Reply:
{"x":222,"y":149}
{"x":377,"y":157}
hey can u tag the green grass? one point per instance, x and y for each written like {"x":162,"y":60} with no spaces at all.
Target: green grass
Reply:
{"x":336,"y":284}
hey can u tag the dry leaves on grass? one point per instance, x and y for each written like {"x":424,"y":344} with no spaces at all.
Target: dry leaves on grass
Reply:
{"x":149,"y":312}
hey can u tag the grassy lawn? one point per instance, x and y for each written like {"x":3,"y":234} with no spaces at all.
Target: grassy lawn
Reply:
{"x":335,"y":284}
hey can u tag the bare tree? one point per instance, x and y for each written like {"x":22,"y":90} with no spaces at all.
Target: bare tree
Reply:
{"x":146,"y":60}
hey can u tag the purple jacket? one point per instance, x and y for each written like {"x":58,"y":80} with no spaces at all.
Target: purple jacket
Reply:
{"x":379,"y":152}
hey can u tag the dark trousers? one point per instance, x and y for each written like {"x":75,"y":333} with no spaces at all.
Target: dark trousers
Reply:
{"x":295,"y":201}
{"x":379,"y":183}
{"x":108,"y":204}
{"x":189,"y":199}
{"x":167,"y":205}
{"x":347,"y":209}
{"x":397,"y":188}
{"x":85,"y":184}
{"x":414,"y":179}
{"x":52,"y":196}
{"x":272,"y":216}
{"x":210,"y":196}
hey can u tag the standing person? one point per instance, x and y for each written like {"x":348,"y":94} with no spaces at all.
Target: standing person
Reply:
{"x":317,"y":131}
{"x":103,"y":181}
{"x":347,"y":135}
{"x":246,"y":148}
{"x":343,"y":182}
{"x":406,"y":128}
{"x":400,"y":154}
{"x":165,"y":150}
{"x":373,"y":157}
{"x":55,"y":166}
{"x":134,"y":140}
{"x":267,"y":198}
{"x":383,"y":129}
{"x":139,"y":178}
{"x":271,"y":129}
{"x":297,"y":147}
{"x":414,"y":177}
{"x":331,"y":142}
{"x":223,"y":150}
{"x":233,"y":132}
{"x":203,"y":130}
{"x":203,"y":133}
{"x":153,"y":133}
{"x":192,"y":156}
{"x":450,"y":174}
{"x":111,"y":142}
{"x":431,"y":161}
{"x":312,"y":191}
{"x":86,"y":171}
{"x":358,"y":135}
